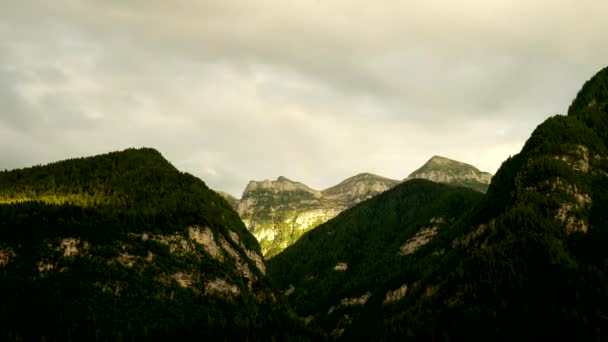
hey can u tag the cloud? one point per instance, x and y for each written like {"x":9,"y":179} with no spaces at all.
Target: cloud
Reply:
{"x":316,"y":90}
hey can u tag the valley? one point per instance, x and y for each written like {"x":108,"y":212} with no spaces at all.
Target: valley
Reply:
{"x":124,"y":246}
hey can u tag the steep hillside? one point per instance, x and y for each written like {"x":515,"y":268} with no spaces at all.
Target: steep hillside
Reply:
{"x":528,"y":262}
{"x":443,"y":170}
{"x":531,"y":262}
{"x":279,"y":212}
{"x":123,"y":246}
{"x":358,"y":188}
{"x":334,"y":272}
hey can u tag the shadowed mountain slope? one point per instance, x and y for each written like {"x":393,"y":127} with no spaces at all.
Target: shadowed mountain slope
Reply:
{"x":123,"y":246}
{"x":527,"y":262}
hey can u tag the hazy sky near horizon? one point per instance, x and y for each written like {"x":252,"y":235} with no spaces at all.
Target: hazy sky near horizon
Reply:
{"x":314,"y":90}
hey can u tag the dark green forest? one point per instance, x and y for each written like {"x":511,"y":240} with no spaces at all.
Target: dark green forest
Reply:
{"x":90,"y":249}
{"x":367,"y":238}
{"x":540,"y":271}
{"x":526,"y":262}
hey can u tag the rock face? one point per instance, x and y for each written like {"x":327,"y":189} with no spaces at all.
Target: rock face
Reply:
{"x":278,"y":212}
{"x":358,"y":188}
{"x":443,"y":170}
{"x":125,"y":247}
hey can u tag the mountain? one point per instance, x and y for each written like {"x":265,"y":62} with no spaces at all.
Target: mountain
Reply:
{"x":279,"y":212}
{"x":358,"y":188}
{"x":443,"y":170}
{"x":333,"y":271}
{"x":531,"y":260}
{"x":525,"y":262}
{"x":123,"y":246}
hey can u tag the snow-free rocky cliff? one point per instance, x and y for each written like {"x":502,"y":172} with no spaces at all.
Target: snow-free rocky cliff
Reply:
{"x":443,"y":170}
{"x":278,"y":212}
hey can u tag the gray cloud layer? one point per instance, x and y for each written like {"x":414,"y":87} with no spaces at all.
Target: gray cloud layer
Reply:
{"x":317,"y":90}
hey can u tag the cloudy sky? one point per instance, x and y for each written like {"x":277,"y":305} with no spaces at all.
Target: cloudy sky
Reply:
{"x":315,"y":90}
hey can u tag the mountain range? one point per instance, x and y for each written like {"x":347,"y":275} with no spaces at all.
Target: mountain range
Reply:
{"x":525,"y":261}
{"x":124,"y":246}
{"x":279,"y":212}
{"x":332,"y":271}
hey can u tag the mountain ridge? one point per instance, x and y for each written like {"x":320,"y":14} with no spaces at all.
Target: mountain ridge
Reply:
{"x":525,"y":262}
{"x":279,"y":211}
{"x":444,"y":170}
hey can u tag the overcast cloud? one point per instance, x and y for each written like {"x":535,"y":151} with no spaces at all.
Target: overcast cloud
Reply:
{"x":315,"y":90}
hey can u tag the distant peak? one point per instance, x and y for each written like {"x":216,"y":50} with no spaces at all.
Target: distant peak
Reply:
{"x":281,"y":184}
{"x":363,"y":182}
{"x":445,"y":170}
{"x":442,"y":160}
{"x":365,"y":176}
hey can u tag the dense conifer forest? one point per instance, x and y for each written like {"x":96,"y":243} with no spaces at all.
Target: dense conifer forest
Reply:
{"x":101,"y":249}
{"x":526,"y":262}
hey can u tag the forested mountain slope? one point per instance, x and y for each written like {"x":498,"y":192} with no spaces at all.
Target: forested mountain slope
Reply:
{"x":528,"y":262}
{"x":531,"y":263}
{"x":336,"y":271}
{"x":123,"y":246}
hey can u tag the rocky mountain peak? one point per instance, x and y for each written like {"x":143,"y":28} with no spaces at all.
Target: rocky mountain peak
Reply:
{"x":442,"y":160}
{"x":281,"y":184}
{"x":444,"y":170}
{"x":357,"y":188}
{"x":362,"y":178}
{"x":366,"y":175}
{"x":279,"y":211}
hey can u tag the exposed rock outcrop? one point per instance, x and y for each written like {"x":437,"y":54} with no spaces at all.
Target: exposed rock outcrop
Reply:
{"x":443,"y":170}
{"x":279,"y":212}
